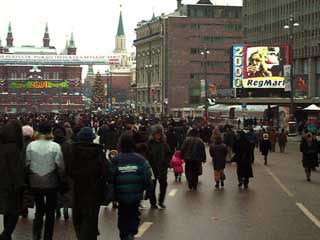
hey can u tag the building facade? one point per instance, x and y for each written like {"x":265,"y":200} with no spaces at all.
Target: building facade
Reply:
{"x":263,"y":23}
{"x":35,"y":86}
{"x":170,"y":69}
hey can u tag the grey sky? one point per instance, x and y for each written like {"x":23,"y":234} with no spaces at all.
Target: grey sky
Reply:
{"x":94,"y":22}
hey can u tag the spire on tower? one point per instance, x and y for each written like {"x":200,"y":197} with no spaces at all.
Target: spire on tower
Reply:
{"x":9,"y":36}
{"x":72,"y":42}
{"x":9,"y":28}
{"x":46,"y":38}
{"x":120,"y":31}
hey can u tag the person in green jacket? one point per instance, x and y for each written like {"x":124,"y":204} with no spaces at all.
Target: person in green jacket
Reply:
{"x":131,"y":177}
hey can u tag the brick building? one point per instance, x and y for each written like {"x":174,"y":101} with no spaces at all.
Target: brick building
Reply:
{"x":170,"y":66}
{"x":33,"y":85}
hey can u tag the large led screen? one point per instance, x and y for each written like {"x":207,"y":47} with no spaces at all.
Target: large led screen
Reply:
{"x":259,"y":66}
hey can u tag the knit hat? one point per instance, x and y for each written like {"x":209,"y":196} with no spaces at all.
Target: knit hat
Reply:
{"x":27,"y":131}
{"x":86,"y":134}
{"x":44,"y":128}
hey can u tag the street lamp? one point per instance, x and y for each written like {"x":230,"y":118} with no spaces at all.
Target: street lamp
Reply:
{"x":290,"y":27}
{"x":205,"y":53}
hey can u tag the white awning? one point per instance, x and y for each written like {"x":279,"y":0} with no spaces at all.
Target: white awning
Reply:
{"x":312,"y":107}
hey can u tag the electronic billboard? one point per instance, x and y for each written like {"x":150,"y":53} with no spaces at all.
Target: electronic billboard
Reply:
{"x":259,"y":66}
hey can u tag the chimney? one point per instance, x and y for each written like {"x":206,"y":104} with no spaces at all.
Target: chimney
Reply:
{"x":179,"y":4}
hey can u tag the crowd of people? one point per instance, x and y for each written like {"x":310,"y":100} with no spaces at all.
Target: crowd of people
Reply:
{"x":51,"y":161}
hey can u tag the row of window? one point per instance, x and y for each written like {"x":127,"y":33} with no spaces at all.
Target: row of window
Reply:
{"x":155,"y":96}
{"x":227,"y":26}
{"x":197,"y":51}
{"x":214,"y":12}
{"x":23,"y":75}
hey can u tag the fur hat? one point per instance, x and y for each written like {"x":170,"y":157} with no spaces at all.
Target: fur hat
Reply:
{"x":27,"y":131}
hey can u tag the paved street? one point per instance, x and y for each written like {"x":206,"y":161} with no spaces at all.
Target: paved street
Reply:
{"x":279,"y":204}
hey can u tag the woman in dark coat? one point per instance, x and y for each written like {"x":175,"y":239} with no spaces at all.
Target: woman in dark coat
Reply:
{"x":218,"y":152}
{"x":88,"y":172}
{"x":12,"y":176}
{"x":160,"y":156}
{"x":194,"y":154}
{"x":265,"y":147}
{"x":243,"y":159}
{"x":309,"y":149}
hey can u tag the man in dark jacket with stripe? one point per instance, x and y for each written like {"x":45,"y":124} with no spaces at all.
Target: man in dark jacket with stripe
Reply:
{"x":131,"y":177}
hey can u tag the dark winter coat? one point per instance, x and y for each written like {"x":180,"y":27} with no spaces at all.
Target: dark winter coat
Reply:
{"x":172,"y":140}
{"x":160,"y":156}
{"x":131,"y":177}
{"x":265,"y":147}
{"x":194,"y":154}
{"x":309,"y":154}
{"x":87,"y":169}
{"x":243,"y":157}
{"x":229,"y":138}
{"x":65,"y":200}
{"x":218,"y":154}
{"x":12,"y":175}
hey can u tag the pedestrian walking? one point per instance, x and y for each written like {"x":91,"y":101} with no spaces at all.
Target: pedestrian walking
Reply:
{"x":194,"y":154}
{"x":64,"y":200}
{"x":273,"y":138}
{"x":28,"y":202}
{"x":45,"y":164}
{"x":229,"y":138}
{"x":131,"y":177}
{"x":282,"y":140}
{"x":177,"y":165}
{"x":252,"y":138}
{"x":218,"y":152}
{"x":159,"y":160}
{"x":12,"y":176}
{"x":243,"y":159}
{"x":88,"y":171}
{"x":265,"y":147}
{"x":309,"y":149}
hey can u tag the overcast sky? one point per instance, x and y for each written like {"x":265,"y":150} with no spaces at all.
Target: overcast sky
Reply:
{"x":93,"y":22}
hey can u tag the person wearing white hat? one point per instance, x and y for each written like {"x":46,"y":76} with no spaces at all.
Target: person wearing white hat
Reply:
{"x":265,"y":147}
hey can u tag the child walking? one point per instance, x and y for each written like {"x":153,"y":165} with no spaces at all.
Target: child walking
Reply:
{"x":176,"y":164}
{"x":218,"y":151}
{"x":265,"y":147}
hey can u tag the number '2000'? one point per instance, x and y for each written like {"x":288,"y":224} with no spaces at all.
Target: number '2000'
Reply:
{"x":238,"y":66}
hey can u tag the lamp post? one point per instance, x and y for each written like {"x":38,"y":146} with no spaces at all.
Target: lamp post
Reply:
{"x":290,"y":27}
{"x":205,"y":53}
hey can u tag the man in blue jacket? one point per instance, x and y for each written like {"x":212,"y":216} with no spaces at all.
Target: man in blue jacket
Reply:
{"x":131,"y":177}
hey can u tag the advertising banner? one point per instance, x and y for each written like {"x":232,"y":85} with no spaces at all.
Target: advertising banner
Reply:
{"x":38,"y":84}
{"x":58,"y":59}
{"x":259,"y":66}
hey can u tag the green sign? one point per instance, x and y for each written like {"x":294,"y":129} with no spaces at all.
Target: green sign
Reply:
{"x":38,"y":84}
